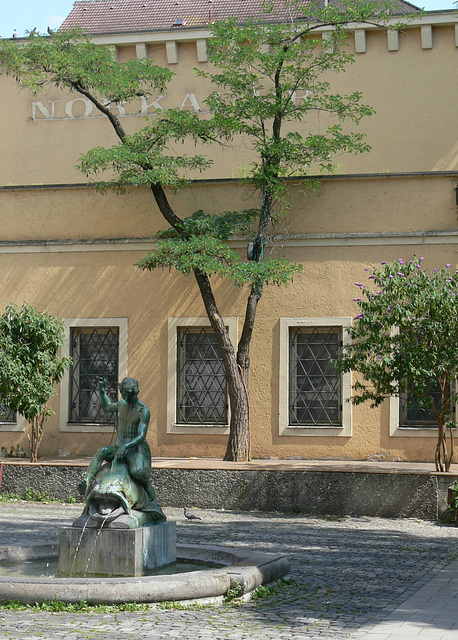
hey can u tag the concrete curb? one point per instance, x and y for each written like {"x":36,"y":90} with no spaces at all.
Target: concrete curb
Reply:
{"x":382,"y":494}
{"x":243,"y":569}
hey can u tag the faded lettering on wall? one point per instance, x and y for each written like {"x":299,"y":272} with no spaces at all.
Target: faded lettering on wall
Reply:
{"x":81,"y":108}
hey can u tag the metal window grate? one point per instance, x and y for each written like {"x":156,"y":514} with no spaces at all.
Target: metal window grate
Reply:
{"x":314,"y":384}
{"x":95,"y":353}
{"x":6,"y":415}
{"x":201,"y":380}
{"x":410,"y":415}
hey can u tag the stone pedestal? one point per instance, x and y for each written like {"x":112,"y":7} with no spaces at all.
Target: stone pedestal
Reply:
{"x":116,"y":552}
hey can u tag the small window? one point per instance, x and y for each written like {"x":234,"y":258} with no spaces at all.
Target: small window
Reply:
{"x":6,"y":415}
{"x":94,"y":351}
{"x":411,"y":416}
{"x":314,"y":384}
{"x":201,"y":380}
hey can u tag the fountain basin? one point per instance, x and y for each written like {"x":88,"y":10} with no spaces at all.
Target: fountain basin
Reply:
{"x":243,"y":569}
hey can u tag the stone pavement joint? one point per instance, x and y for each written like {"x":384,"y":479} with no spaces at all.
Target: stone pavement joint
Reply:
{"x":352,"y":579}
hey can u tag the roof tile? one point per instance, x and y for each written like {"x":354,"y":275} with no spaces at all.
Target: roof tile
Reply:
{"x":130,"y":16}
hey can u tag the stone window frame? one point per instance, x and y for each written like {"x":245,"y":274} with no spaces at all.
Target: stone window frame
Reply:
{"x":69,"y":323}
{"x":174,"y":323}
{"x":406,"y":431}
{"x":284,"y":428}
{"x":10,"y":426}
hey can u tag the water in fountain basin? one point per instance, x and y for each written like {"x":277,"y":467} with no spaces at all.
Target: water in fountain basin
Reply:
{"x":47,"y":568}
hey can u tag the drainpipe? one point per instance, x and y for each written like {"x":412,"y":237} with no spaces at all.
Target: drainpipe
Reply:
{"x":1,"y":475}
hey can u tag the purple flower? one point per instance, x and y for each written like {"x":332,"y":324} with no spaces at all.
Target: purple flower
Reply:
{"x":371,"y":277}
{"x":360,"y":315}
{"x":390,"y":276}
{"x":401,"y":261}
{"x":448,"y":266}
{"x":418,"y":266}
{"x":421,"y":258}
{"x":400,"y":274}
{"x":356,"y":299}
{"x":384,"y":262}
{"x":358,"y":284}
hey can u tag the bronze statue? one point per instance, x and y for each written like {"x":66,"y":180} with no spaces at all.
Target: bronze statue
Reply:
{"x":119,"y":494}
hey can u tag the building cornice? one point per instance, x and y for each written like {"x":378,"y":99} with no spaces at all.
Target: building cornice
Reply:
{"x":376,"y":238}
{"x":343,"y":177}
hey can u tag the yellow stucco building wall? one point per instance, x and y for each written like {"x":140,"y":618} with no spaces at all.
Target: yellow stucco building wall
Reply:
{"x":70,"y":250}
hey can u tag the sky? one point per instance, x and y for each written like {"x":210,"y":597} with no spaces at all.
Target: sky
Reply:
{"x":25,"y":15}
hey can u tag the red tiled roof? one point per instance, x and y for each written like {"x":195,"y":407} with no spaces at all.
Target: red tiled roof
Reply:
{"x":130,"y":16}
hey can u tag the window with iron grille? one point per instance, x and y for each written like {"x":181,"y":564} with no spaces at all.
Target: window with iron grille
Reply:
{"x":315,"y":395}
{"x":6,"y":415}
{"x":411,"y":415}
{"x":94,"y":351}
{"x":201,"y":380}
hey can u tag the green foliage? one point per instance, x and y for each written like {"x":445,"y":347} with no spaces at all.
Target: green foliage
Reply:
{"x":210,"y":255}
{"x":146,"y":158}
{"x":70,"y":60}
{"x":9,"y":497}
{"x":200,"y":244}
{"x":405,"y":338}
{"x":270,"y":81}
{"x":34,"y":495}
{"x":271,"y":75}
{"x":269,"y":590}
{"x":233,"y":592}
{"x":29,"y":495}
{"x":55,"y":606}
{"x":453,"y":503}
{"x":30,"y":364}
{"x":223,"y":226}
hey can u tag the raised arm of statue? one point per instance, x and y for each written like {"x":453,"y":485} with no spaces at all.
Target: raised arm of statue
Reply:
{"x":109,"y":406}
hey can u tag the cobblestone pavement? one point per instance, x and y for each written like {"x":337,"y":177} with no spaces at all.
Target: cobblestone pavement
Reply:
{"x":347,"y":575}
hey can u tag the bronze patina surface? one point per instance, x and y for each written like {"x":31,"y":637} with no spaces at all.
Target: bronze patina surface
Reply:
{"x":119,"y":494}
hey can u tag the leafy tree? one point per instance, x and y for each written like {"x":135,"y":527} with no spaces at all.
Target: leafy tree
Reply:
{"x":405,"y":341}
{"x":30,"y":365}
{"x":270,"y":79}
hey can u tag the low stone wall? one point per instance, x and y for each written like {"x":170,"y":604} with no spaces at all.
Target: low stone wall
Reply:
{"x":388,"y":495}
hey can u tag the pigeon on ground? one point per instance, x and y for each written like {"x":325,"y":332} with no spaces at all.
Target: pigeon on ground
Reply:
{"x":189,"y":515}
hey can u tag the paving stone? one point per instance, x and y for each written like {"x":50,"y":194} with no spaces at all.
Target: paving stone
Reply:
{"x":349,"y":574}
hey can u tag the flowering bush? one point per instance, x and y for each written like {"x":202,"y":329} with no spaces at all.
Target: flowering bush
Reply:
{"x":405,"y":340}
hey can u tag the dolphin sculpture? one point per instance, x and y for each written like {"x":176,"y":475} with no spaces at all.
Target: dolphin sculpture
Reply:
{"x":116,"y":500}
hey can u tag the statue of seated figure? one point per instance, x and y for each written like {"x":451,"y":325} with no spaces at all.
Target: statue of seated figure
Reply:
{"x":119,"y":494}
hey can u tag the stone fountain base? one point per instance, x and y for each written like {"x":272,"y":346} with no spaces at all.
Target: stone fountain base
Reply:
{"x":241,"y":569}
{"x":116,"y":552}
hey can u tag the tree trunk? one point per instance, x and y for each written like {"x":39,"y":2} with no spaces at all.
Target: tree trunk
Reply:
{"x":238,"y":448}
{"x":441,"y":459}
{"x":449,"y":460}
{"x":36,"y":436}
